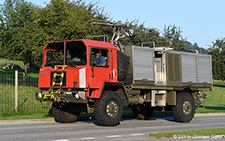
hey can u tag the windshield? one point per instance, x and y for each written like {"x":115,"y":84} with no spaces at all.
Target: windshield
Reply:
{"x":75,"y":54}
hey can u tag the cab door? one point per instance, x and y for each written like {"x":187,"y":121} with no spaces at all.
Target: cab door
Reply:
{"x":100,"y":67}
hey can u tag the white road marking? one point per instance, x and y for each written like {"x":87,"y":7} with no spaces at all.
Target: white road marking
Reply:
{"x":139,"y":134}
{"x":61,"y":140}
{"x":88,"y":138}
{"x":114,"y":136}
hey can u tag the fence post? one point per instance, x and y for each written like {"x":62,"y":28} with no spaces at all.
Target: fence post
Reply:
{"x":16,"y":91}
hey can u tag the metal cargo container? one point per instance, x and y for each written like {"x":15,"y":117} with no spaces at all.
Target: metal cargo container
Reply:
{"x":162,"y":66}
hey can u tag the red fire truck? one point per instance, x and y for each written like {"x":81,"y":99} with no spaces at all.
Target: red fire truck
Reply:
{"x":100,"y":77}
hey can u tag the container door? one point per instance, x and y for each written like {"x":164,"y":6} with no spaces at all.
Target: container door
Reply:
{"x":160,"y":70}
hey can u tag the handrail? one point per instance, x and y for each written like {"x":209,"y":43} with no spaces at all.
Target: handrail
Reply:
{"x":142,"y":44}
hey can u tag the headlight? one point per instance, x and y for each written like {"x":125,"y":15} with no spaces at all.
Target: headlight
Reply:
{"x":40,"y":95}
{"x":77,"y":96}
{"x":68,"y":92}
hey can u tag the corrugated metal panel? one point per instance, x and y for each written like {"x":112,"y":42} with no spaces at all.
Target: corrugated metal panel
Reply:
{"x":143,"y":64}
{"x":189,"y":68}
{"x":204,"y":69}
{"x":201,"y":74}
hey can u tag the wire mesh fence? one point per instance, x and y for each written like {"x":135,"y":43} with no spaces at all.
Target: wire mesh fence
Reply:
{"x":25,"y":100}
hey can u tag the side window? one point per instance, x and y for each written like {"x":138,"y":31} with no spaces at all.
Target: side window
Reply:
{"x":99,"y":57}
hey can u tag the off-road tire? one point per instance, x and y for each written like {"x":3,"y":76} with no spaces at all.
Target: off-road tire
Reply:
{"x":185,"y":107}
{"x":122,"y":65}
{"x":62,"y":114}
{"x":142,"y":112}
{"x":108,"y":109}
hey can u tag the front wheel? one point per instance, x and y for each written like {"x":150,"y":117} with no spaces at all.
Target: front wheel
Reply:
{"x":109,"y":109}
{"x":63,"y":114}
{"x":185,"y":108}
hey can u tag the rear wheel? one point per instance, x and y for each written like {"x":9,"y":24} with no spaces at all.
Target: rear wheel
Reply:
{"x":109,"y":109}
{"x":63,"y":114}
{"x":185,"y":108}
{"x":142,"y":112}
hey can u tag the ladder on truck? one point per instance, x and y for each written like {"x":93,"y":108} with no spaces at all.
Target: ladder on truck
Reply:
{"x":56,"y":74}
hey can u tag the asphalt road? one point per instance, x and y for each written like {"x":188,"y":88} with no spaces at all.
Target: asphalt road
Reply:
{"x":129,"y":129}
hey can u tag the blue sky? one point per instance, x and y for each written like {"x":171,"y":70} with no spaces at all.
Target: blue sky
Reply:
{"x":201,"y":21}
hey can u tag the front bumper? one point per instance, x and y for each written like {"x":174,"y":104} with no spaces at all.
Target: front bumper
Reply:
{"x":62,"y":96}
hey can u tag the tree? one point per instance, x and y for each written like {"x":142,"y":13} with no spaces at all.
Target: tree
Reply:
{"x":149,"y":35}
{"x":217,"y":50}
{"x":17,"y":29}
{"x":192,"y":47}
{"x":25,"y":29}
{"x":61,"y":20}
{"x":173,"y":34}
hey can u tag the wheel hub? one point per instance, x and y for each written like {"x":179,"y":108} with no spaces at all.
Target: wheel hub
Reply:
{"x":112,"y":109}
{"x":187,"y":108}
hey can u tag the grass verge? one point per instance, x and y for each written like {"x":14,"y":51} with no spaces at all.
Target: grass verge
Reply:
{"x":190,"y":133}
{"x":15,"y":116}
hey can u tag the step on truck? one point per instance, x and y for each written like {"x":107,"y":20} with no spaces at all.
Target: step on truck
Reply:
{"x":89,"y":76}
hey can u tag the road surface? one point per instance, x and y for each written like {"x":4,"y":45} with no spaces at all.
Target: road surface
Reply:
{"x":129,"y":128}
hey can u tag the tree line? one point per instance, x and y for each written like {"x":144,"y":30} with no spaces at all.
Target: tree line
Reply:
{"x":25,"y":28}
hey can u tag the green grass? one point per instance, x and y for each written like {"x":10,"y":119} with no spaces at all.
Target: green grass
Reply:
{"x":215,"y":101}
{"x":14,"y":116}
{"x":188,"y":133}
{"x":20,"y":73}
{"x":27,"y":103}
{"x":219,"y":83}
{"x":18,"y":65}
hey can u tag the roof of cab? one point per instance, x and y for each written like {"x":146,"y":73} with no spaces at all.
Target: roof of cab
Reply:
{"x":99,"y":44}
{"x":89,"y":43}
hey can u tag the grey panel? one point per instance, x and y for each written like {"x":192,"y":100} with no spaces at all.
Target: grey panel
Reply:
{"x":204,"y":69}
{"x":143,"y":63}
{"x":189,"y":64}
{"x":189,"y":68}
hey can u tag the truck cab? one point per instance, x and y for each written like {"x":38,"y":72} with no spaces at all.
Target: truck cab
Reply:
{"x":70,"y":74}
